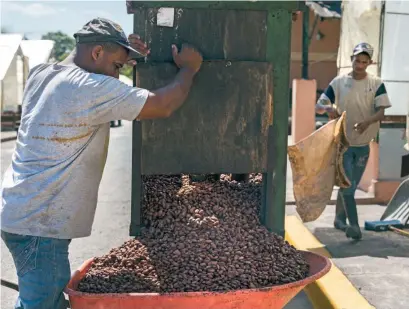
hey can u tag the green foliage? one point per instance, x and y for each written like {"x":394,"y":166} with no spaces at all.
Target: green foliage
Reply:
{"x":6,"y":30}
{"x":64,"y":44}
{"x":127,"y":71}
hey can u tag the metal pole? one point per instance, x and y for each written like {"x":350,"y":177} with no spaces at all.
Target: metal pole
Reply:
{"x":305,"y":41}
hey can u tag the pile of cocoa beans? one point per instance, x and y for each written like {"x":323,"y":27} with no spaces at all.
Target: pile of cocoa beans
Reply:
{"x":198,"y":236}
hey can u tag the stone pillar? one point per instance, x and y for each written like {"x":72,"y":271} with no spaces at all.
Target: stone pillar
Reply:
{"x":303,"y":108}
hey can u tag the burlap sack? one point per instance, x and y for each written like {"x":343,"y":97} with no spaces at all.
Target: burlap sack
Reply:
{"x":316,"y":162}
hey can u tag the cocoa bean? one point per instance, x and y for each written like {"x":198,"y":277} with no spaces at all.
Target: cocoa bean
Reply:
{"x":199,"y":236}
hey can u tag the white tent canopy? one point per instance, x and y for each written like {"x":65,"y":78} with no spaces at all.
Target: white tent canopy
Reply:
{"x":13,"y":71}
{"x":9,"y":46}
{"x":37,"y":51}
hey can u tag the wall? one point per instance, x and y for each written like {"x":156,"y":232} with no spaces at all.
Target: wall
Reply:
{"x":322,"y":53}
{"x":391,"y":150}
{"x":13,"y":84}
{"x":395,"y":56}
{"x":10,"y":87}
{"x":20,"y":78}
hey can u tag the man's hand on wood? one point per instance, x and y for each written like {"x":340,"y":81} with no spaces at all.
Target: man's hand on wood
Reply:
{"x":188,"y":58}
{"x":139,"y":45}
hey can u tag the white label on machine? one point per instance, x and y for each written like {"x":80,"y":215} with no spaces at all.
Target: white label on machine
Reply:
{"x":165,"y":17}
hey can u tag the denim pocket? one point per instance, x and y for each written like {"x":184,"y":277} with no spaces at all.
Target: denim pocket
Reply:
{"x":26,"y":259}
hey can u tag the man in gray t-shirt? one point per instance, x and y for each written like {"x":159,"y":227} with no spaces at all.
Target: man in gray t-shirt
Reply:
{"x":49,"y":193}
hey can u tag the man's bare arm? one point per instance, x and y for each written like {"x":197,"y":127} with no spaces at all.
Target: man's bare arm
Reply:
{"x":163,"y":102}
{"x":378,"y":116}
{"x":325,"y":101}
{"x":322,"y":106}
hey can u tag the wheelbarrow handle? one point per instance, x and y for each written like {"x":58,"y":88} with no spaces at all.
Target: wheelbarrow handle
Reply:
{"x":13,"y":286}
{"x":399,"y":231}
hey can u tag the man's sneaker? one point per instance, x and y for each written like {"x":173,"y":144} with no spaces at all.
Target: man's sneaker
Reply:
{"x":354,"y":232}
{"x":340,"y":224}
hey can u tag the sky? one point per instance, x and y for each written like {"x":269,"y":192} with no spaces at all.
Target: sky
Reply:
{"x":35,"y":18}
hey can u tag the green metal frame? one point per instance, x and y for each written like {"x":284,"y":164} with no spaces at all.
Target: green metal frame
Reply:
{"x":275,"y":181}
{"x":278,"y":53}
{"x":221,"y":5}
{"x":136,"y":186}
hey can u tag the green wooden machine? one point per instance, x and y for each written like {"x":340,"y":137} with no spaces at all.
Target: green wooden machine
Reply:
{"x":235,"y":119}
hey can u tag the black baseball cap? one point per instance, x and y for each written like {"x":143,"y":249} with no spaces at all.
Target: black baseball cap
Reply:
{"x":100,"y":30}
{"x":363,"y":48}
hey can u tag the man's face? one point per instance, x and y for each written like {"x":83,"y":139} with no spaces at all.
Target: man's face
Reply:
{"x":360,"y":62}
{"x":107,"y":61}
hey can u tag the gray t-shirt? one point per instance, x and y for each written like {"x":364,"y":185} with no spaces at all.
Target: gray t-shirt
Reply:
{"x":51,"y":187}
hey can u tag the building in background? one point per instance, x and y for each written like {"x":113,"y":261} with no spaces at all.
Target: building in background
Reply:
{"x":323,"y":37}
{"x":13,"y":72}
{"x":314,"y":50}
{"x":18,"y":57}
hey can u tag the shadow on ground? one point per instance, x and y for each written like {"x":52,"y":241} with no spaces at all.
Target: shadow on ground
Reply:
{"x":373,"y":244}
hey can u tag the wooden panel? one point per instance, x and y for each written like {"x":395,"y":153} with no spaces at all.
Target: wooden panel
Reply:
{"x":216,"y":5}
{"x":223,"y":126}
{"x":219,"y":34}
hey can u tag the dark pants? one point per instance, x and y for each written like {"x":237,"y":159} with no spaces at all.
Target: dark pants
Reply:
{"x":355,"y":160}
{"x":43,"y":270}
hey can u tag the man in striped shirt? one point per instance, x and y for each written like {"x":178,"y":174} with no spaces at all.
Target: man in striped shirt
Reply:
{"x":364,"y":99}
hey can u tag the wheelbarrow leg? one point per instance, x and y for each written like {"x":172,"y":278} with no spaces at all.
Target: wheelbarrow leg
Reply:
{"x":136,"y":194}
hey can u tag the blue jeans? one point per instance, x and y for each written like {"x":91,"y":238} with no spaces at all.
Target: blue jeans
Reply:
{"x":43,"y":270}
{"x":355,"y":160}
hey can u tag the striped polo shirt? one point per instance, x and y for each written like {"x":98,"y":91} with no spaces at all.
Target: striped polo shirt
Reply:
{"x":360,"y":99}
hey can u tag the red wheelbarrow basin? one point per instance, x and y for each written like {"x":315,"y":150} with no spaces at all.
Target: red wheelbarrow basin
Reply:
{"x":274,"y":297}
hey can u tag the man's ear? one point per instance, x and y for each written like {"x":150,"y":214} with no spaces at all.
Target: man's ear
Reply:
{"x":97,"y":52}
{"x":370,"y":62}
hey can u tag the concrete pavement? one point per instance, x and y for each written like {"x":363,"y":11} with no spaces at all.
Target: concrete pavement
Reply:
{"x":112,"y":219}
{"x":378,"y":266}
{"x":8,"y":136}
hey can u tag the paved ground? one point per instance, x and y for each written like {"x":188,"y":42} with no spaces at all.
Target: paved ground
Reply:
{"x":8,"y":135}
{"x":378,"y":266}
{"x":112,"y":220}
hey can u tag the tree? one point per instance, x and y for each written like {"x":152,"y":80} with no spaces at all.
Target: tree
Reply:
{"x":64,"y":44}
{"x":6,"y":30}
{"x":127,"y":70}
